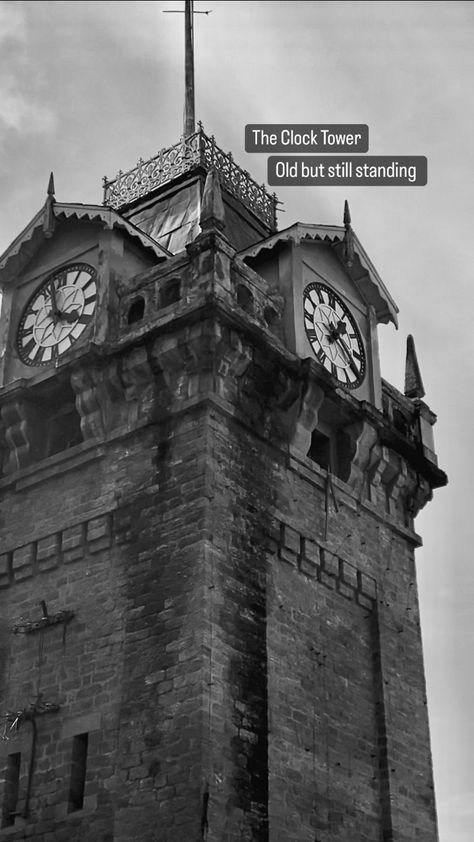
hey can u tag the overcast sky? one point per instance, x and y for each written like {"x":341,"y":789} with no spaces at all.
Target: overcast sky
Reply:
{"x":87,"y":88}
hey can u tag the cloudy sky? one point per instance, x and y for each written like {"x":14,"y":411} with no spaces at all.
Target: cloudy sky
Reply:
{"x":87,"y":88}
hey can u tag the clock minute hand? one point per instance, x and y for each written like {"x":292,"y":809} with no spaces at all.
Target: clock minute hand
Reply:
{"x":55,"y":309}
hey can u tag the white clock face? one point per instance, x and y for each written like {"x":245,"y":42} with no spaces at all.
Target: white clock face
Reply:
{"x":333,"y":335}
{"x":57,"y":314}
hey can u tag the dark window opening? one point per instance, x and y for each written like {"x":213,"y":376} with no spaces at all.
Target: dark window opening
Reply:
{"x":320,"y":450}
{"x":61,"y":420}
{"x":401,"y":423}
{"x":271,"y":316}
{"x":63,"y":430}
{"x":244,"y":298}
{"x":12,"y":785}
{"x":78,"y":772}
{"x":136,"y":311}
{"x":170,"y":293}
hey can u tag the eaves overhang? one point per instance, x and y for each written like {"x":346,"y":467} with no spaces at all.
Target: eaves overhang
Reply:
{"x":23,"y":248}
{"x":361,"y":270}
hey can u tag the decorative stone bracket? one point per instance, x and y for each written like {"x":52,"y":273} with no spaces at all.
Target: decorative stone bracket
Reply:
{"x":298,"y":409}
{"x":114,"y":394}
{"x":363,"y":438}
{"x":204,"y":358}
{"x":22,"y":425}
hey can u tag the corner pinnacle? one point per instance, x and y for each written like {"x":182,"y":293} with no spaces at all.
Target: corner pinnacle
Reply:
{"x":413,"y":383}
{"x":212,"y":207}
{"x":49,"y":221}
{"x":348,"y":242}
{"x":347,"y":214}
{"x":51,"y":190}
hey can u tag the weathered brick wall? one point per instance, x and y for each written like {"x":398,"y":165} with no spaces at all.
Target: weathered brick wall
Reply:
{"x":242,"y":484}
{"x":127,"y":666}
{"x":247,"y":665}
{"x":161,"y":713}
{"x":317,"y":616}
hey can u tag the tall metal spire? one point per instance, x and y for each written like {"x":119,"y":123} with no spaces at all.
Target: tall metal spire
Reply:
{"x":189,"y":116}
{"x":189,"y":12}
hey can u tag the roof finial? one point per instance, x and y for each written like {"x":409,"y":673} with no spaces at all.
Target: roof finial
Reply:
{"x":347,"y":214}
{"x":348,"y":247}
{"x":413,"y":383}
{"x":49,"y":221}
{"x":51,"y":190}
{"x":212,"y":207}
{"x":189,"y":12}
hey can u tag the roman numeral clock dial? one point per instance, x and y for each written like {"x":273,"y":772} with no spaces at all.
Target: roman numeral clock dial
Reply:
{"x":57,"y":315}
{"x":333,"y":335}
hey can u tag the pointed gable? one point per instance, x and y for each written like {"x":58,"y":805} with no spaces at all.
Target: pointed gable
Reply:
{"x":25,"y":246}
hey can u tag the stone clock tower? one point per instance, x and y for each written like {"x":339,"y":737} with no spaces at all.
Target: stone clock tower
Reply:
{"x":209,"y":619}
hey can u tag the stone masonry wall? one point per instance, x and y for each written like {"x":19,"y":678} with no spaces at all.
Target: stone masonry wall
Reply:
{"x":243,"y":644}
{"x":317,"y":615}
{"x":125,"y":665}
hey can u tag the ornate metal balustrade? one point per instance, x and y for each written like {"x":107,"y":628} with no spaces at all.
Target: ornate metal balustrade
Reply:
{"x":194,"y":150}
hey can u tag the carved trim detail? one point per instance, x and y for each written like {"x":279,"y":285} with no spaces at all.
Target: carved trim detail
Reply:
{"x":22,"y":425}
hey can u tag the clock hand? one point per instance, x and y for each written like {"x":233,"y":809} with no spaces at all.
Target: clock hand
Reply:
{"x":70,"y":317}
{"x":349,"y":356}
{"x":55,"y":311}
{"x":336,"y":331}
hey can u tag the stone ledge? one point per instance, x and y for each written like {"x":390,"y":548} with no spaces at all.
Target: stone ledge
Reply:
{"x":315,"y":561}
{"x":70,"y":544}
{"x":66,"y":460}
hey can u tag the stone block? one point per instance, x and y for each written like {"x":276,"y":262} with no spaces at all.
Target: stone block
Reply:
{"x":308,"y":568}
{"x":72,"y":537}
{"x":291,"y":539}
{"x":330,"y":563}
{"x":288,"y":556}
{"x":23,"y":561}
{"x":5,"y":570}
{"x":367,"y":586}
{"x":349,"y":574}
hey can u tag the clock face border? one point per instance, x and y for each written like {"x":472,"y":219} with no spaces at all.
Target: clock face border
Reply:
{"x":42,"y":338}
{"x":344,"y":355}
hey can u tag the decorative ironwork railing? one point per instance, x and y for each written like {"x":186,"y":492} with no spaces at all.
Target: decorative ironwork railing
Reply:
{"x":196,"y":149}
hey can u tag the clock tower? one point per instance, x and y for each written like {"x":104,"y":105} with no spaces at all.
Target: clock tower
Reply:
{"x":209,"y":622}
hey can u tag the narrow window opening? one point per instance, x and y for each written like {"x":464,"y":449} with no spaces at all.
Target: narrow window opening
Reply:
{"x":78,"y":772}
{"x":244,"y":298}
{"x":320,"y":450}
{"x":136,"y":311}
{"x":170,"y":292}
{"x":271,"y":316}
{"x":63,"y":430}
{"x":61,"y":420}
{"x":12,"y":784}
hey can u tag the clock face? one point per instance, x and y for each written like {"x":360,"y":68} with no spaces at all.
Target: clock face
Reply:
{"x":57,"y":314}
{"x":334,"y":335}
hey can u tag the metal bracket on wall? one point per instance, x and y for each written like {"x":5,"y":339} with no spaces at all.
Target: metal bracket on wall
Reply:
{"x":46,"y":620}
{"x":329,"y":488}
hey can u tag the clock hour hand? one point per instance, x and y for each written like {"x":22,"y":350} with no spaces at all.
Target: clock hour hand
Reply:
{"x":70,"y":317}
{"x":349,"y":356}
